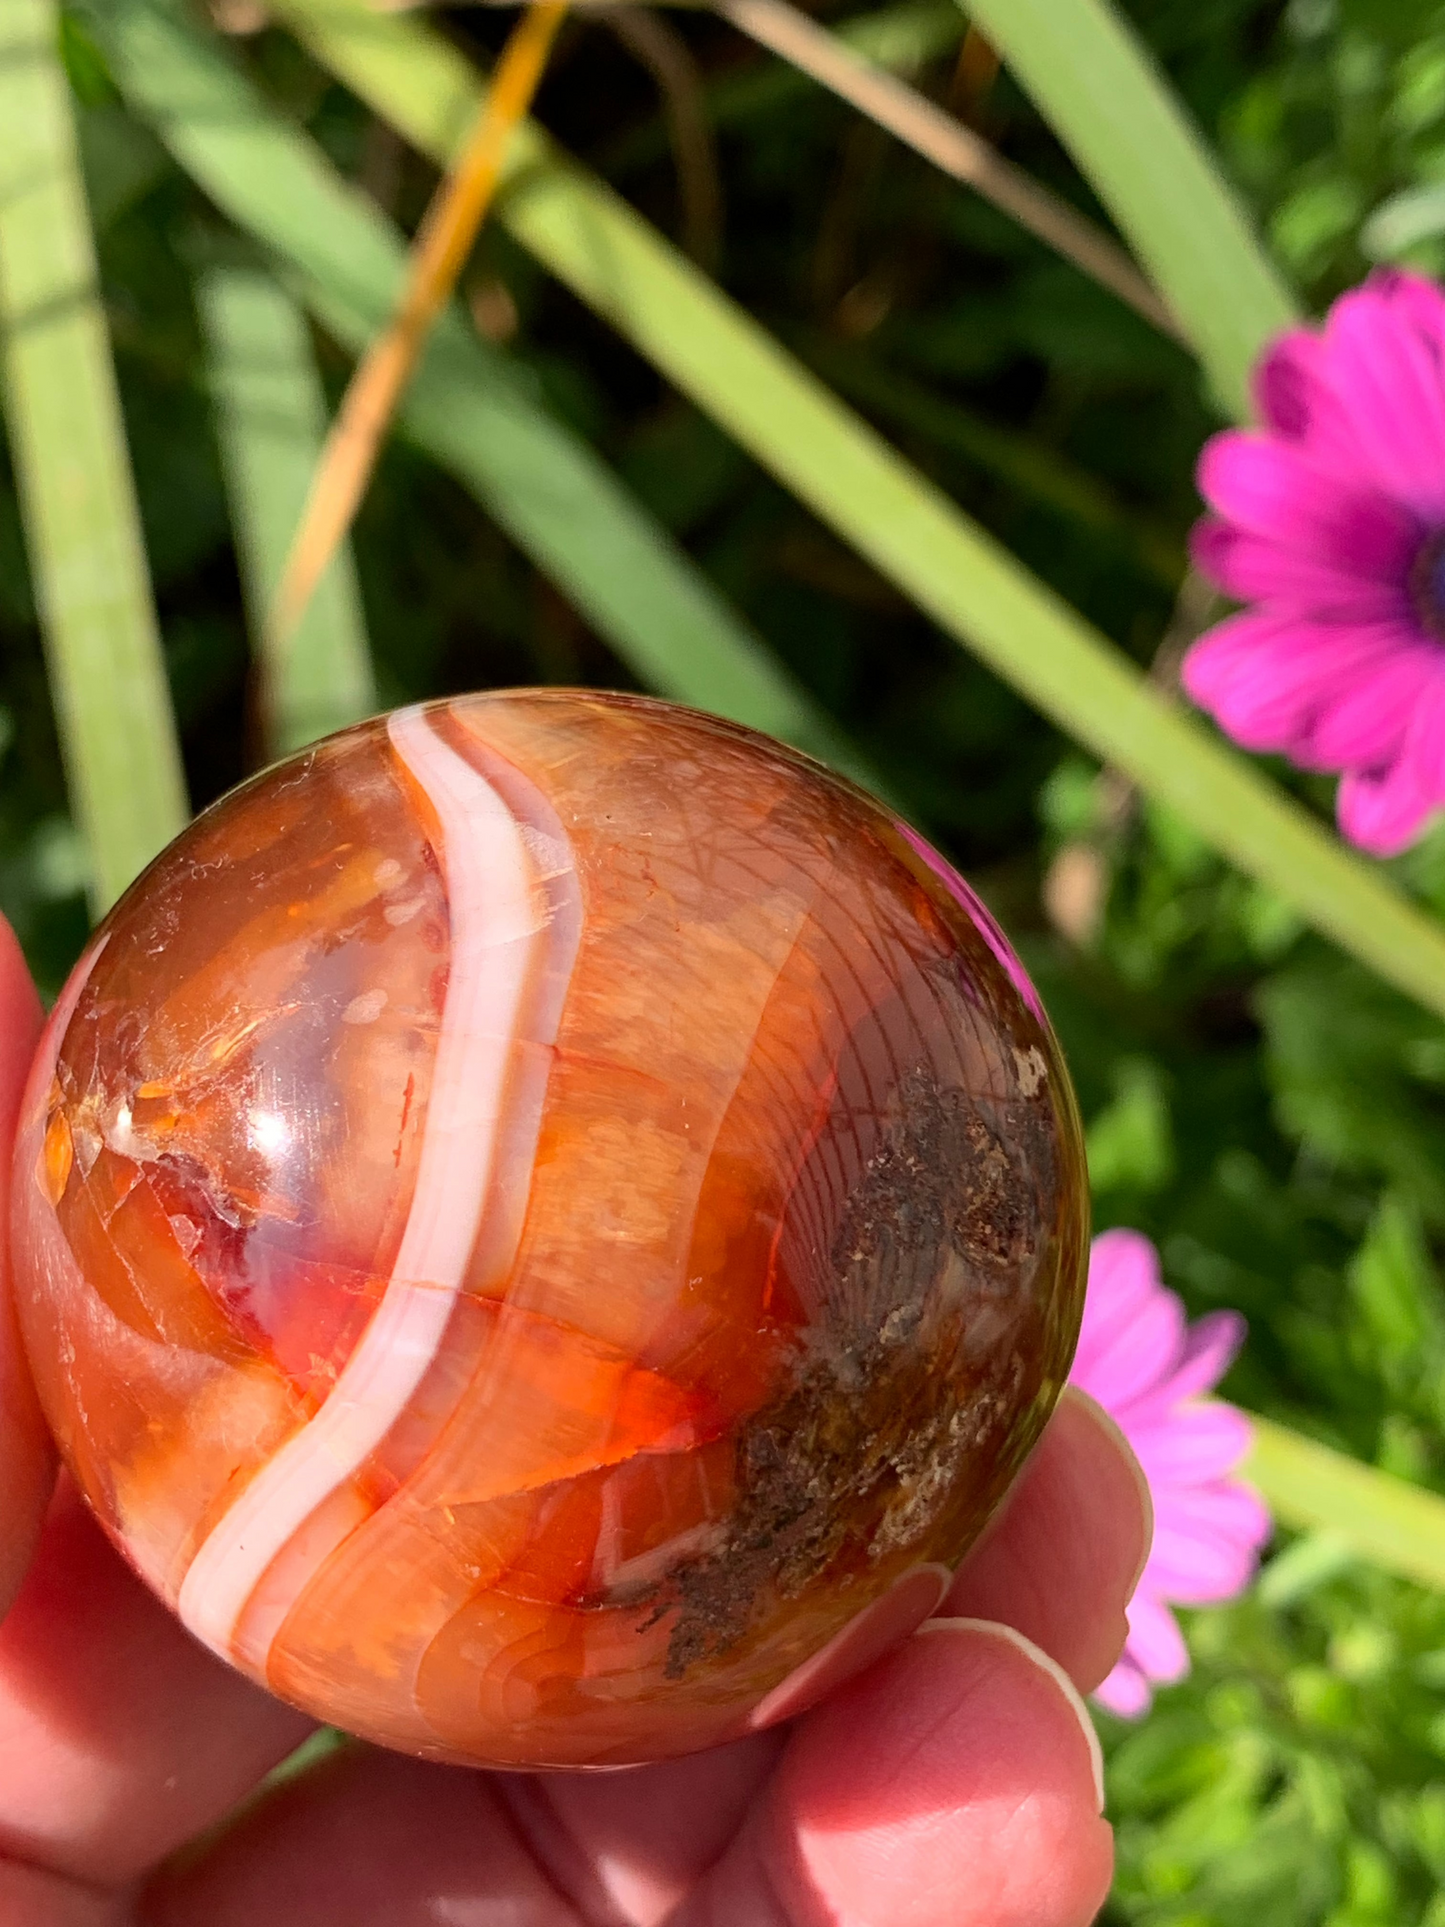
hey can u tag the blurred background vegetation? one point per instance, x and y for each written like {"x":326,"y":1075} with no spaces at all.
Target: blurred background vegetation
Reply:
{"x":1259,"y":1104}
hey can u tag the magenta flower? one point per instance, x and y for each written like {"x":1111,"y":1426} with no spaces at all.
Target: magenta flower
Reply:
{"x":1149,"y":1370}
{"x":1330,"y":520}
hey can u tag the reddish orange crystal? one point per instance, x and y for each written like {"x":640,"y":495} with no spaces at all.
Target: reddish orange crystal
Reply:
{"x":538,"y":1215}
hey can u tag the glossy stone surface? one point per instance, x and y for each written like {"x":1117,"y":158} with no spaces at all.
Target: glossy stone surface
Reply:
{"x":537,"y":1216}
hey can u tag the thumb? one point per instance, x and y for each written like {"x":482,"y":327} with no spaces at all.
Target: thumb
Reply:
{"x":27,"y":1459}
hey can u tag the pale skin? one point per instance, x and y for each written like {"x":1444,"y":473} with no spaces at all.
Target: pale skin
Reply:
{"x":951,"y":1784}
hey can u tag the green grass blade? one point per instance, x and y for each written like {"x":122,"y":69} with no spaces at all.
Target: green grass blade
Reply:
{"x":1380,"y":1518}
{"x":271,"y":416}
{"x":1098,"y":87}
{"x":82,"y":527}
{"x":851,"y":479}
{"x":468,"y":406}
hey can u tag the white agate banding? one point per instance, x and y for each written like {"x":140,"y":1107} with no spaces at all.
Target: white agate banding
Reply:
{"x":495,"y":927}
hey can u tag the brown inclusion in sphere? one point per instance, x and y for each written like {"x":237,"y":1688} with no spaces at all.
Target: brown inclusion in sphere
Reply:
{"x":540,"y":1216}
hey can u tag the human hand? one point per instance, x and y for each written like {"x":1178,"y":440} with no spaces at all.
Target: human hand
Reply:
{"x":953,"y":1784}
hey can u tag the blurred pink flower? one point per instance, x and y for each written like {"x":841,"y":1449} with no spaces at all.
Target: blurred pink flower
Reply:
{"x":1149,"y":1369}
{"x":1330,"y":519}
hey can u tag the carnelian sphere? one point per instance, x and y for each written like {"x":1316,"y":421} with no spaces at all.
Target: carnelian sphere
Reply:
{"x":540,"y":1217}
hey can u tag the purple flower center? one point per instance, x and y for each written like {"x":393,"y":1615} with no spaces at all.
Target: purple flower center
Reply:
{"x":1427,"y":584}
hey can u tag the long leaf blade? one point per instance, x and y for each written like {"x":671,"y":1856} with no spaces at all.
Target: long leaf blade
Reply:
{"x":82,"y":525}
{"x":271,"y":417}
{"x":1382,"y":1519}
{"x":1099,"y":89}
{"x":974,"y":589}
{"x":468,"y":406}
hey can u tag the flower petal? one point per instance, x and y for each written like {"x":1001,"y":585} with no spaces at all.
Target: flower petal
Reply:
{"x":1200,"y":1568}
{"x":1192,"y":1446}
{"x":1123,"y":1276}
{"x":1149,"y":1369}
{"x":1226,"y":1505}
{"x":1389,"y":382}
{"x":1364,"y":727}
{"x":1125,"y":1693}
{"x":1294,"y":396}
{"x":1252,"y":569}
{"x":1133,"y":1353}
{"x":1268,"y":488}
{"x":1264,"y":677}
{"x":1418,"y":302}
{"x":1384,"y":810}
{"x":1425,"y":739}
{"x":1155,"y":1643}
{"x":1230,"y":1507}
{"x":1213,"y":1344}
{"x":1206,"y":1541}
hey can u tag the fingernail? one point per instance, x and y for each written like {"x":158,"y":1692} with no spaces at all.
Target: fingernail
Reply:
{"x":994,"y":1629}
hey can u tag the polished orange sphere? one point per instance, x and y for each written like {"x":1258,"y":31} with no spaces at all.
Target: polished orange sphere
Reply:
{"x":545,"y":1225}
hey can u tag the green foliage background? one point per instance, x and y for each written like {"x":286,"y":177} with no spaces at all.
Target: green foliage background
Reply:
{"x":1258,"y":1104}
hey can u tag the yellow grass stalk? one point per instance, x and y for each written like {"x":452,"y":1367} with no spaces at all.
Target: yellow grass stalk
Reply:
{"x":442,"y":245}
